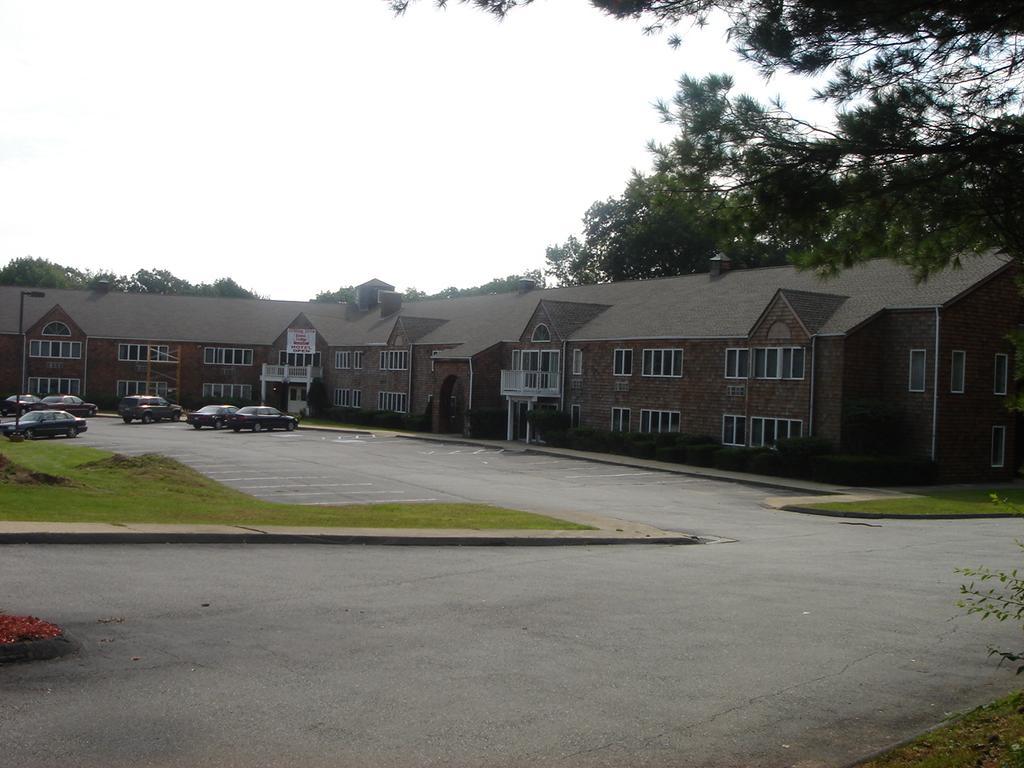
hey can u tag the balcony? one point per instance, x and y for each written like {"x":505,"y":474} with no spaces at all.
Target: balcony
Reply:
{"x":300,"y":374}
{"x":531,"y":383}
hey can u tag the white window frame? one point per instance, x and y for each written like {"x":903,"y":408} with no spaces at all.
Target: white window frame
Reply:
{"x":65,"y":386}
{"x":298,"y":359}
{"x":622,"y":362}
{"x":1000,"y":384}
{"x":59,"y":350}
{"x":778,"y":363}
{"x":47,"y":332}
{"x":737,"y":358}
{"x":957,"y":371}
{"x":620,"y":419}
{"x":357,"y":359}
{"x":537,"y":336}
{"x":577,"y":362}
{"x":998,"y":458}
{"x":923,"y":353}
{"x":758,"y":429}
{"x":392,"y":401}
{"x":648,"y":417}
{"x":343,"y":360}
{"x":394,"y":360}
{"x":227,"y":356}
{"x":126,"y":388}
{"x":343,"y":398}
{"x":661,"y":354}
{"x":730,"y":422}
{"x":227,"y":391}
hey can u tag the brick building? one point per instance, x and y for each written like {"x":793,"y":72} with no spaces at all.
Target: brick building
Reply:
{"x":747,"y":356}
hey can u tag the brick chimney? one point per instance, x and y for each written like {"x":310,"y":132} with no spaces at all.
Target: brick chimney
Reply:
{"x":717,"y":265}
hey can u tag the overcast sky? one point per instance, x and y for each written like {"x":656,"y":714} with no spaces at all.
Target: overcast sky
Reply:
{"x":301,"y":146}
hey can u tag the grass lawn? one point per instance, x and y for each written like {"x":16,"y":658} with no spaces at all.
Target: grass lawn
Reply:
{"x":989,"y":737}
{"x":960,"y":502}
{"x":86,"y":485}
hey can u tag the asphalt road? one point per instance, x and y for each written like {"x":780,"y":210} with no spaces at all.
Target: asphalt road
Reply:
{"x":804,"y":641}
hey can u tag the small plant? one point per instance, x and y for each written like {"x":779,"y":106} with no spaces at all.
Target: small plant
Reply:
{"x":1001,"y":601}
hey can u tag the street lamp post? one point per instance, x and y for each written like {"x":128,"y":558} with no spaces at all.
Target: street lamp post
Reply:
{"x":21,"y":332}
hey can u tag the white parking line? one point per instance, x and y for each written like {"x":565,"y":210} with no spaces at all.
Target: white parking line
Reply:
{"x":304,"y":485}
{"x":258,"y":476}
{"x":368,"y":501}
{"x":617,"y":474}
{"x":327,"y":493}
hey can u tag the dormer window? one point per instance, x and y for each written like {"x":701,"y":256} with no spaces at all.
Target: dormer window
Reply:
{"x":541,"y":333}
{"x":56,"y":328}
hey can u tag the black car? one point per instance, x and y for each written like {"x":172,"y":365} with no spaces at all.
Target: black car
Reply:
{"x":70,"y":403}
{"x":260,"y":417}
{"x":147,"y":409}
{"x":27,"y":402}
{"x":45,"y":424}
{"x":215,"y":416}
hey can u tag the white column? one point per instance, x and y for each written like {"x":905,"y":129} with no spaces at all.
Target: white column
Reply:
{"x":508,"y":432}
{"x":529,"y":407}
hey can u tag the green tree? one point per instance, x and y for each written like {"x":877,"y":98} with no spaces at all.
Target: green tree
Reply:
{"x":41,"y":273}
{"x":225,"y":287}
{"x":925,"y":160}
{"x":347,"y":294}
{"x":158,"y":281}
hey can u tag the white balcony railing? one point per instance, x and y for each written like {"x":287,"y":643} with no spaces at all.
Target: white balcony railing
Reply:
{"x":537,"y":383}
{"x":298,"y":373}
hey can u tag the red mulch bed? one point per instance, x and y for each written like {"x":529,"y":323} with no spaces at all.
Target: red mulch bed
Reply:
{"x":15,"y":629}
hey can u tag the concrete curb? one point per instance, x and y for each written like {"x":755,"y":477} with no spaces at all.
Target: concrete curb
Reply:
{"x":880,"y":516}
{"x":37,"y":650}
{"x":390,"y":540}
{"x":687,"y":470}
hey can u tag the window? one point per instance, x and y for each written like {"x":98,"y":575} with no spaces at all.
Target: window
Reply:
{"x":125,"y":388}
{"x":1001,"y":374}
{"x":357,"y":360}
{"x":622,"y":362}
{"x":228,"y":391}
{"x":734,"y":430}
{"x":44,"y":386}
{"x":574,"y":415}
{"x":227,"y":356}
{"x":577,"y":362}
{"x":348,"y":398}
{"x":61,"y":349}
{"x":956,"y":383}
{"x":394,"y":360}
{"x":56,"y":329}
{"x":918,"y":360}
{"x":298,"y":359}
{"x":541,"y":333}
{"x":737,"y":363}
{"x":659,"y":421}
{"x":620,"y":419}
{"x":143,"y":352}
{"x":998,"y":446}
{"x":391,"y":401}
{"x":778,"y":363}
{"x":663,"y":362}
{"x":342,"y":359}
{"x":766,"y":431}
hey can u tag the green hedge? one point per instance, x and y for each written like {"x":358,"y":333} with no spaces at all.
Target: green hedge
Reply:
{"x":488,"y":423}
{"x":846,"y":469}
{"x":736,"y":459}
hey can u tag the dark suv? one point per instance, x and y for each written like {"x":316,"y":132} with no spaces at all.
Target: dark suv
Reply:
{"x":147,"y":409}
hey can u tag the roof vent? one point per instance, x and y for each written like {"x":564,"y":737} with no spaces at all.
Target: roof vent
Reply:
{"x":719,"y":264}
{"x":102,"y":286}
{"x":526,"y":284}
{"x":366,"y":294}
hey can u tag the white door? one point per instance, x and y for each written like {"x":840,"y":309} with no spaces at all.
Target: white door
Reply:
{"x":296,"y":397}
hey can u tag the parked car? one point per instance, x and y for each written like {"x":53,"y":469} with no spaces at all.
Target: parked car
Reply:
{"x":260,"y":417}
{"x":147,"y":409}
{"x":70,"y":403}
{"x":45,"y":424}
{"x":215,"y":416}
{"x":27,"y":403}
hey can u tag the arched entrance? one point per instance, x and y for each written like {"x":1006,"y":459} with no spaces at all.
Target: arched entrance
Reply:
{"x":451,"y":406}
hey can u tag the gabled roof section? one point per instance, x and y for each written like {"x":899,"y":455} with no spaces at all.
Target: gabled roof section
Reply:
{"x":811,"y":308}
{"x":567,"y":317}
{"x":416,"y":328}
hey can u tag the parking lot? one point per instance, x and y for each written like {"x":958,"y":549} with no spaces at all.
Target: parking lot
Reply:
{"x":319,"y":467}
{"x":791,"y":641}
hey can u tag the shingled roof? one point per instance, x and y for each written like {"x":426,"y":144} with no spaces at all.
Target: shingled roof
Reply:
{"x":691,"y":306}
